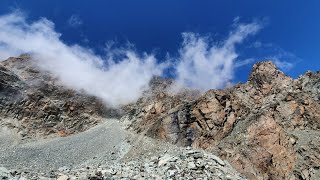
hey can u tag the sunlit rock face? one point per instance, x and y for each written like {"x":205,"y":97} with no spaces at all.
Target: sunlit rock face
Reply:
{"x":268,"y":128}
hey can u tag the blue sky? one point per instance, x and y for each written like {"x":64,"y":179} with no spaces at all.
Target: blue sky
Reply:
{"x":289,"y":33}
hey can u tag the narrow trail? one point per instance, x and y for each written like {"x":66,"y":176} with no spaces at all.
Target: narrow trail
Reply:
{"x":104,"y":143}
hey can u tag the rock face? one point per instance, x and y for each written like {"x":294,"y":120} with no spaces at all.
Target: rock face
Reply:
{"x":34,"y":103}
{"x":267,"y":128}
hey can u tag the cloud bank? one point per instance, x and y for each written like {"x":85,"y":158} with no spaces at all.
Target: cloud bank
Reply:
{"x":200,"y":64}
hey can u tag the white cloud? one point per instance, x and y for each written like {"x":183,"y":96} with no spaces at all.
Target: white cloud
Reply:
{"x":236,"y":19}
{"x":204,"y":66}
{"x":122,"y":75}
{"x":244,"y":62}
{"x":283,"y":65}
{"x":283,"y":59}
{"x":257,"y":44}
{"x":74,"y":20}
{"x":78,"y":68}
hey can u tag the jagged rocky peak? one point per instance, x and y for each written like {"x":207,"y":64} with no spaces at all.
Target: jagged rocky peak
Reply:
{"x":26,"y":69}
{"x":158,"y":83}
{"x":266,"y":73}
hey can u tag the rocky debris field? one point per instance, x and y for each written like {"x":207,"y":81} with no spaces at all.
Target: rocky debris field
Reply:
{"x":105,"y":142}
{"x":185,"y":164}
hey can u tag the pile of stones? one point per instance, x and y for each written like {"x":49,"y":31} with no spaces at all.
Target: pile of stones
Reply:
{"x":187,"y":164}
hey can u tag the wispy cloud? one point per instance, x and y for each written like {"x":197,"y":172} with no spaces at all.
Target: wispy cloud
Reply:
{"x":75,"y":21}
{"x":283,"y":65}
{"x":244,"y":62}
{"x":283,"y":59}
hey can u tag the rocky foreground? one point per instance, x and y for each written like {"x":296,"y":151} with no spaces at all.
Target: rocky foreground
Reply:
{"x":266,"y":128}
{"x":187,"y":164}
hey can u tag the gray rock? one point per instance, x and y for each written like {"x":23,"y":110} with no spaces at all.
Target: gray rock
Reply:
{"x":4,"y":173}
{"x":191,"y":165}
{"x":216,"y":159}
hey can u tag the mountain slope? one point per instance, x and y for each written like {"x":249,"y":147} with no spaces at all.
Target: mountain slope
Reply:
{"x":267,"y":128}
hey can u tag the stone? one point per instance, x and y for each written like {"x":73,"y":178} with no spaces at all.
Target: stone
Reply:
{"x":163,"y":160}
{"x":305,"y":174}
{"x":171,"y":173}
{"x":197,"y":155}
{"x":4,"y":173}
{"x":64,"y":169}
{"x":216,"y":159}
{"x":191,"y":165}
{"x":63,"y":177}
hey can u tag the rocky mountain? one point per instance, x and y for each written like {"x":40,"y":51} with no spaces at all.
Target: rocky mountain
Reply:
{"x":266,"y":128}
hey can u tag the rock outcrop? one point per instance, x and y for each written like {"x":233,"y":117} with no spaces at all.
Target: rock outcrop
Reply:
{"x":34,"y":102}
{"x":268,"y":128}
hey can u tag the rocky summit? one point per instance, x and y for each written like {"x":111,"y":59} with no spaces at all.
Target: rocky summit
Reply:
{"x":266,"y":128}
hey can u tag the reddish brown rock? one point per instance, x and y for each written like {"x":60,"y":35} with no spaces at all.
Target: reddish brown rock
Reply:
{"x":268,"y":128}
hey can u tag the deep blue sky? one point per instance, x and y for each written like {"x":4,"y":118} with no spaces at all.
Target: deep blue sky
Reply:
{"x":291,"y":27}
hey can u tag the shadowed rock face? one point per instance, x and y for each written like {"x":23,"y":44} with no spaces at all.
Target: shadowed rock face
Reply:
{"x":34,"y":102}
{"x":268,"y":128}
